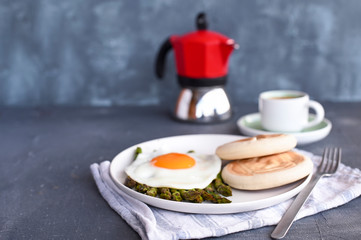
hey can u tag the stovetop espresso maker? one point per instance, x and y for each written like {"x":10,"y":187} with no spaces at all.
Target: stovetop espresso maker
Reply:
{"x":201,"y":60}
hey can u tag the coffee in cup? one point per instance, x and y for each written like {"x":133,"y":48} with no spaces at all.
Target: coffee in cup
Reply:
{"x":288,"y":111}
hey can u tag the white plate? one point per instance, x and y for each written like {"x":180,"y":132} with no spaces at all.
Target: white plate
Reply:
{"x":250,"y":125}
{"x":201,"y":143}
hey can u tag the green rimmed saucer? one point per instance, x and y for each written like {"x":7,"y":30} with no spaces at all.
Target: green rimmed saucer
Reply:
{"x":250,"y":125}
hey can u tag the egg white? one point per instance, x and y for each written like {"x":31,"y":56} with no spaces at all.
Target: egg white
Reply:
{"x":206,"y":168}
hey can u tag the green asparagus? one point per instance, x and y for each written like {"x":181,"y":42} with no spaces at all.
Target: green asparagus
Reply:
{"x":198,"y":199}
{"x":190,"y":195}
{"x":210,"y":193}
{"x":213,"y":196}
{"x":152,"y":192}
{"x":221,"y":187}
{"x":130,"y":183}
{"x":165,"y":193}
{"x":176,"y":196}
{"x":138,"y":151}
{"x":142,"y":188}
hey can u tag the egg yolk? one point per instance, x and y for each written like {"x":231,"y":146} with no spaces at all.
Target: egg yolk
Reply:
{"x":173,"y":161}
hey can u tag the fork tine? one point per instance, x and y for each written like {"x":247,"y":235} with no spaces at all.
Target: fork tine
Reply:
{"x":323,"y":163}
{"x":332,"y":160}
{"x":335,"y":159}
{"x":339,"y":154}
{"x":329,"y":159}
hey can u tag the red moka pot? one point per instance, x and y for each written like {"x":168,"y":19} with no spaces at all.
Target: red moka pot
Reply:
{"x":201,"y":59}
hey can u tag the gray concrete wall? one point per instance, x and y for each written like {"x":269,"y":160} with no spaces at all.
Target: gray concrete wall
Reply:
{"x":101,"y":52}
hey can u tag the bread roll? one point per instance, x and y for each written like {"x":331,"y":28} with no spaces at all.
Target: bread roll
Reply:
{"x":257,"y":146}
{"x":267,"y":171}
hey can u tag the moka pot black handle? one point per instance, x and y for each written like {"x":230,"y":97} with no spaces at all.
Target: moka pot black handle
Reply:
{"x":161,"y":57}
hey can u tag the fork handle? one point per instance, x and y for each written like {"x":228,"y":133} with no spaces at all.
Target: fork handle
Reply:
{"x":286,"y":221}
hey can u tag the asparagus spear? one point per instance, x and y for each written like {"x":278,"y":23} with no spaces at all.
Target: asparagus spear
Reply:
{"x":221,"y":199}
{"x":130,"y":183}
{"x":210,"y":187}
{"x":152,"y":192}
{"x":212,"y":196}
{"x":165,"y":193}
{"x":138,"y":150}
{"x":221,"y":187}
{"x":176,"y":196}
{"x":184,"y":194}
{"x":198,"y":199}
{"x":191,"y":195}
{"x":142,"y":188}
{"x":208,"y":196}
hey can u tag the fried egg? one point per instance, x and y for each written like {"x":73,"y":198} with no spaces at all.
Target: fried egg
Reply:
{"x":174,"y":170}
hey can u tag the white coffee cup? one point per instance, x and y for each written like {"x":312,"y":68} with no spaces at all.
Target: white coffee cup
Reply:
{"x":288,"y":111}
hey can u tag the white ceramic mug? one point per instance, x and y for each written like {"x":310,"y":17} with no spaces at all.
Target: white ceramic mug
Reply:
{"x":288,"y":111}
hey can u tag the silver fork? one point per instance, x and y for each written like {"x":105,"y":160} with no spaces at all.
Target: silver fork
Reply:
{"x":328,"y":166}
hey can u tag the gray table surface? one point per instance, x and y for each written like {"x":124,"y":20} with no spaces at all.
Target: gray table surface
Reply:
{"x":47,"y":191}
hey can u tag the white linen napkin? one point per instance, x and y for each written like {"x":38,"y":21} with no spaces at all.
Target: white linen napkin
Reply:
{"x":154,"y":223}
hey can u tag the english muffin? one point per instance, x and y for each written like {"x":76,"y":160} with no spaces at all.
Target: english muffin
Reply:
{"x":265,"y":172}
{"x":257,"y":146}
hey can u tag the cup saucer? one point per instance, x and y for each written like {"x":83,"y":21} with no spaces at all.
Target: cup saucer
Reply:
{"x":250,"y":125}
